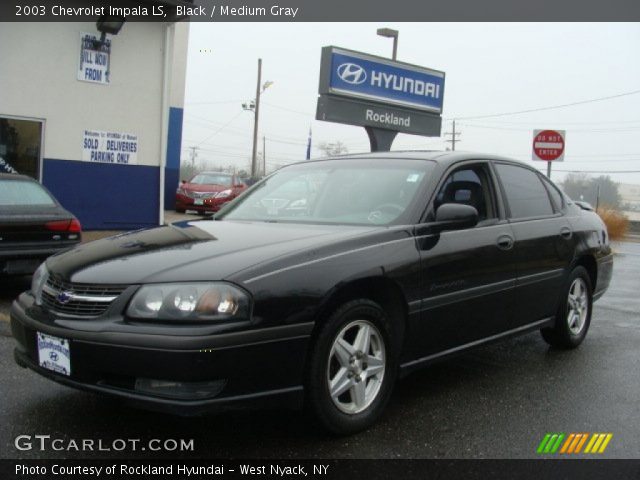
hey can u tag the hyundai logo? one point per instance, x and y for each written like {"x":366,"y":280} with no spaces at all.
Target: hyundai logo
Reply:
{"x":352,"y":73}
{"x":63,"y":297}
{"x":53,"y":356}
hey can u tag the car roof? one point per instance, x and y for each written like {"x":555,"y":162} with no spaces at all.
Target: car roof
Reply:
{"x":441,"y":157}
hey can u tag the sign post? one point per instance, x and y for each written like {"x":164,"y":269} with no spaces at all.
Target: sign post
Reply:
{"x":385,"y":96}
{"x":548,"y":146}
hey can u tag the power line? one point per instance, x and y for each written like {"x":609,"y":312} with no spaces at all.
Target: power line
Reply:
{"x":299,"y":112}
{"x":534,"y":122}
{"x":220,"y":102}
{"x":243,"y":131}
{"x":222,"y":127}
{"x":552,"y":107}
{"x":573,"y":130}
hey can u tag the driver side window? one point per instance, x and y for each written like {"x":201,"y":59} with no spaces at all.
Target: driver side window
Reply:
{"x":469,"y":185}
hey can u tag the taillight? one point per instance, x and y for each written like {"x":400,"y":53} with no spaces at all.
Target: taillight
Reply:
{"x":72,"y":226}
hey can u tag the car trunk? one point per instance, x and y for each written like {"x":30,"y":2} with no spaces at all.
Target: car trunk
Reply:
{"x":28,"y":236}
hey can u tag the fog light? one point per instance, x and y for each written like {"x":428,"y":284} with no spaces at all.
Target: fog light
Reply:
{"x":181,"y":390}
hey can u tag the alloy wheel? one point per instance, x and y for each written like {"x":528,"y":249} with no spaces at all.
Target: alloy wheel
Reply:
{"x":356,"y":366}
{"x":577,"y":306}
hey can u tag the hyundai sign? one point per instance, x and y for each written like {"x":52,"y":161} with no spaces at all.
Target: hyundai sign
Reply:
{"x":366,"y":77}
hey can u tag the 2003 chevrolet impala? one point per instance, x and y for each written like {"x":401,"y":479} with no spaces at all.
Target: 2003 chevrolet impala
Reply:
{"x":321,"y":284}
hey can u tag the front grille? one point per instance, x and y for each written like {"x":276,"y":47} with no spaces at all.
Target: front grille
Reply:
{"x":202,"y":194}
{"x":79,"y":299}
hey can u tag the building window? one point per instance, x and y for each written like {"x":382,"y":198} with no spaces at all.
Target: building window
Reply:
{"x":20,"y":146}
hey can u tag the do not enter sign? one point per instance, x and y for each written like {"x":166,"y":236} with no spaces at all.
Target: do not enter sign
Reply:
{"x":548,"y":145}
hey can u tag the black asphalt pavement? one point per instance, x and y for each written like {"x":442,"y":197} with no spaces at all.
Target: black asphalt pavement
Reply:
{"x":495,"y":402}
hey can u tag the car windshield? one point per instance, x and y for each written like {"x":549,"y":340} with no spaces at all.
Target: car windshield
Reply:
{"x":211,"y":179}
{"x":21,"y":192}
{"x":361,"y":192}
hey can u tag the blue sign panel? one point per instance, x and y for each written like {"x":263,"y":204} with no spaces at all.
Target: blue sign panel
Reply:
{"x":372,"y":78}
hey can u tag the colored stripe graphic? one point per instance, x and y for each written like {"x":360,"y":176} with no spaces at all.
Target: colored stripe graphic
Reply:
{"x":573,"y":443}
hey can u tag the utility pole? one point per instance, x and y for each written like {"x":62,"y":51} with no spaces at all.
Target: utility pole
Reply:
{"x":254,"y":156}
{"x":454,"y":136}
{"x":264,"y":156}
{"x":194,"y":154}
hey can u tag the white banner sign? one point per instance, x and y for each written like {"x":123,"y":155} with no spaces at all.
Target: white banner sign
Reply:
{"x":110,"y":147}
{"x":94,"y":59}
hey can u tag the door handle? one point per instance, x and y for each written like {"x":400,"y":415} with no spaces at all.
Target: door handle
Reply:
{"x":566,"y":233}
{"x":505,"y":242}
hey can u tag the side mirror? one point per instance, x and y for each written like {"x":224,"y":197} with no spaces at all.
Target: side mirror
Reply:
{"x":183,"y":181}
{"x":455,"y":216}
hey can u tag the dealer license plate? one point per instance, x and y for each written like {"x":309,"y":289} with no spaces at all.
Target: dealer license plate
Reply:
{"x":54,"y":353}
{"x":198,"y":201}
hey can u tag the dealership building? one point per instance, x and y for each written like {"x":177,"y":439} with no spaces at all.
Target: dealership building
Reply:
{"x":96,"y":118}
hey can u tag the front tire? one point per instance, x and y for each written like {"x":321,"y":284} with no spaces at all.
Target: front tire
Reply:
{"x":574,"y":313}
{"x":352,"y":368}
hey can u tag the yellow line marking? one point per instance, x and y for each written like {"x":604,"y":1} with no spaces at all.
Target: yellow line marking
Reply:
{"x":591,"y":442}
{"x":607,"y":439}
{"x":596,"y":445}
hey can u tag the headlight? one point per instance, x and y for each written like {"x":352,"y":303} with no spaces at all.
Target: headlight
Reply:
{"x":190,"y":302}
{"x":38,"y":281}
{"x":223,"y":194}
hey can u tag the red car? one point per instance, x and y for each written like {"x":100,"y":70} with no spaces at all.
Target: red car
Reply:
{"x":208,"y":192}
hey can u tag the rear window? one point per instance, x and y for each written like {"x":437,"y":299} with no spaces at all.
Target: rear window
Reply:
{"x":20,"y":192}
{"x":526,"y":195}
{"x":556,"y":195}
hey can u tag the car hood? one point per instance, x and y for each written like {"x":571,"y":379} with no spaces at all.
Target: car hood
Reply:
{"x":192,"y":251}
{"x":196,"y":187}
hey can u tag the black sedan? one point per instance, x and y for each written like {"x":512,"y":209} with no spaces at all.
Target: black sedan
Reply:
{"x":391,"y":262}
{"x":33,"y":225}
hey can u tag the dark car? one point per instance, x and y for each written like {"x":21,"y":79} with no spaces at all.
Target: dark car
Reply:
{"x":396,"y":260}
{"x":207,"y":192}
{"x":33,"y":225}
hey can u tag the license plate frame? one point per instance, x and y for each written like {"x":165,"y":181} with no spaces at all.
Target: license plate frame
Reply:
{"x":54,"y":353}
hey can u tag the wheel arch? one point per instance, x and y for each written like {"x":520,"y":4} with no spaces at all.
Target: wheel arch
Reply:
{"x":589,"y":263}
{"x":379,"y":289}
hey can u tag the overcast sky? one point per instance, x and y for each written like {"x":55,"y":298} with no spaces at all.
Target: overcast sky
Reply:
{"x":490,"y":68}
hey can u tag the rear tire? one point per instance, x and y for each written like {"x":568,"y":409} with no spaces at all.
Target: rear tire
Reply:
{"x":352,"y":368}
{"x":574,"y":313}
{"x":180,"y":210}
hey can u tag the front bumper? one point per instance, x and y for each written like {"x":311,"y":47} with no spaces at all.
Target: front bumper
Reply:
{"x":257,"y":368}
{"x":208,"y":204}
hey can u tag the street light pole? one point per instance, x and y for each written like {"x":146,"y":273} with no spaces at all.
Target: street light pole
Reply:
{"x":391,"y":33}
{"x":254,"y":156}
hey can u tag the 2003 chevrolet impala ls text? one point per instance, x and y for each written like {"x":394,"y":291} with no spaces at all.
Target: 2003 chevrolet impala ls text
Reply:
{"x":321,"y":284}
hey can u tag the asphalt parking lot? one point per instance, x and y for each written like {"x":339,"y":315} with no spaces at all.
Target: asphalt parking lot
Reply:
{"x":495,"y":402}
